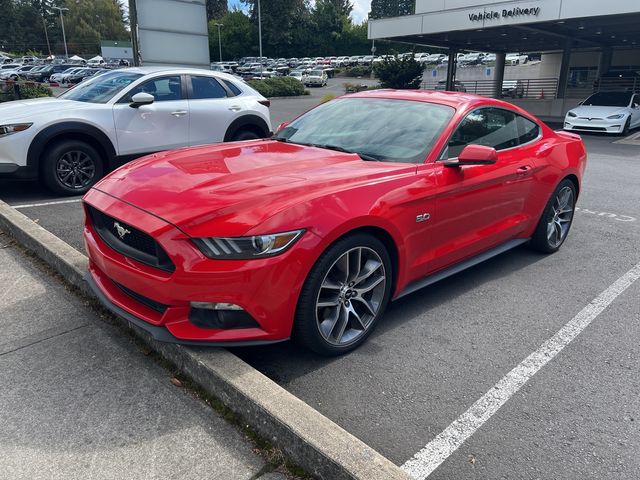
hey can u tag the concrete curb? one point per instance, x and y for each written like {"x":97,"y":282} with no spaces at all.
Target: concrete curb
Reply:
{"x":308,"y":438}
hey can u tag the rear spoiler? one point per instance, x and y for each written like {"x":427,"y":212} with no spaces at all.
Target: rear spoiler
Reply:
{"x":571,"y":135}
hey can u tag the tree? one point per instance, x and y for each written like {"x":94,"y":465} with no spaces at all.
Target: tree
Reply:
{"x":89,"y":21}
{"x":391,"y":8}
{"x":216,"y":9}
{"x":278,"y":18}
{"x":236,"y":35}
{"x":399,"y":72}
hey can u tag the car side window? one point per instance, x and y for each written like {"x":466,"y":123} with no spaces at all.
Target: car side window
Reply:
{"x":206,"y":87}
{"x":163,"y":89}
{"x":527,"y":130}
{"x":492,"y":127}
{"x":232,"y":87}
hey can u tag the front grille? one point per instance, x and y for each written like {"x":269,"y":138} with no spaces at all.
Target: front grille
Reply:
{"x":595,"y":129}
{"x":147,"y":302}
{"x":129,"y":241}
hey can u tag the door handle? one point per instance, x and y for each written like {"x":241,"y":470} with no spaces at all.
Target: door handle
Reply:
{"x":179,"y":113}
{"x":235,"y":108}
{"x":524,"y":170}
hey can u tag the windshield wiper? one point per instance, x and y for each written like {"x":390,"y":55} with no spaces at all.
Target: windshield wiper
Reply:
{"x":337,"y":148}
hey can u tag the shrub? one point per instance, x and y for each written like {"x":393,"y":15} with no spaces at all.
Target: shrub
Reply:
{"x":278,"y":87}
{"x":356,"y":87}
{"x":358,"y":72}
{"x":327,"y":98}
{"x":399,"y":72}
{"x":31,"y":90}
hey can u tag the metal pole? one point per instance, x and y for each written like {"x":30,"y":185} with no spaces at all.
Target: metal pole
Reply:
{"x":64,"y":36}
{"x":260,"y":30}
{"x":46,"y":34}
{"x":219,"y":39}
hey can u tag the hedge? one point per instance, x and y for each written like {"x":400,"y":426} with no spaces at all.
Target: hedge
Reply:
{"x":278,"y":87}
{"x":35,"y":90}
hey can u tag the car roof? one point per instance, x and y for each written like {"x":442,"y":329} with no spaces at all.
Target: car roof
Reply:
{"x":165,"y":69}
{"x":456,"y":100}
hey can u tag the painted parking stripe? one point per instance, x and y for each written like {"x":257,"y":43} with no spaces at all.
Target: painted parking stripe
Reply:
{"x":46,"y":204}
{"x":423,"y":463}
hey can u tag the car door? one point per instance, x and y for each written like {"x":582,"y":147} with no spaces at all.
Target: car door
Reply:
{"x":162,"y":125}
{"x":213,"y":106}
{"x":482,"y":206}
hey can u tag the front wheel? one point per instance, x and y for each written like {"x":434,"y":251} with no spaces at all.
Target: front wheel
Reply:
{"x":344,"y":295}
{"x":627,"y":127}
{"x":71,"y":167}
{"x":556,"y":219}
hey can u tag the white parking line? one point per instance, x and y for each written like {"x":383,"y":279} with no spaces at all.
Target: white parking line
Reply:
{"x":423,"y":463}
{"x":45,"y":204}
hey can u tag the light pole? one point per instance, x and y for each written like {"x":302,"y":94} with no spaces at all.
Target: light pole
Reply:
{"x":219,"y":25}
{"x":260,"y":31}
{"x":64,"y":37}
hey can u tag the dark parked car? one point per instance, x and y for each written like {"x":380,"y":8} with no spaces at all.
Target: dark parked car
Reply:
{"x":44,"y":74}
{"x":458,"y":86}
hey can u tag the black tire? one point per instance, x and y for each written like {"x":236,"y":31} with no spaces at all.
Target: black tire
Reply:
{"x":627,"y":127}
{"x":71,"y":162}
{"x":306,"y":327}
{"x":242,"y":135}
{"x":541,"y":240}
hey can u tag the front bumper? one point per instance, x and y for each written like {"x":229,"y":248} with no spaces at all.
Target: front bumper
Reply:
{"x":578,"y":124}
{"x":266,"y":289}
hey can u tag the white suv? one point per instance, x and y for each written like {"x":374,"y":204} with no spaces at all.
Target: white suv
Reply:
{"x":71,"y":141}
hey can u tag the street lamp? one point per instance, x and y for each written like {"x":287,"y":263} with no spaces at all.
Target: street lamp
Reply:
{"x":64,"y":37}
{"x":260,"y":30}
{"x":219,"y":25}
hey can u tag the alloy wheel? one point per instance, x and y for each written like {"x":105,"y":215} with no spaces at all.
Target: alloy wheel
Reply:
{"x":561,"y":216}
{"x":350,"y":296}
{"x":75,"y":169}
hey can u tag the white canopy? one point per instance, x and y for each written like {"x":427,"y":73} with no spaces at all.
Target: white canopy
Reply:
{"x":97,"y":58}
{"x":75,"y":58}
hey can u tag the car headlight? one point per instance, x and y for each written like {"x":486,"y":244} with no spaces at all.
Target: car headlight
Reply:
{"x":13,"y":128}
{"x":616,"y":116}
{"x":571,"y":114}
{"x":246,"y":248}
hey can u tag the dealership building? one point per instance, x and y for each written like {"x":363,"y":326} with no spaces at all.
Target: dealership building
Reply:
{"x":585,"y":45}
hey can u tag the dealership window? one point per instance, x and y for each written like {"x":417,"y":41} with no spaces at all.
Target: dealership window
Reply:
{"x":206,"y":87}
{"x":163,"y":89}
{"x":492,"y":127}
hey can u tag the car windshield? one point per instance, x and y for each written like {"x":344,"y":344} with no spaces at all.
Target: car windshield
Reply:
{"x":374,"y":128}
{"x":101,"y":88}
{"x":316,"y":73}
{"x":609,"y":99}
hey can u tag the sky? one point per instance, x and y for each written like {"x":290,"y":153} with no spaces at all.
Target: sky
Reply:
{"x":360,"y":8}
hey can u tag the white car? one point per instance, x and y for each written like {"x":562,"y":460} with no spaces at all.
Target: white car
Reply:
{"x":515,"y":59}
{"x":15,"y":73}
{"x":69,"y":142}
{"x":59,"y":77}
{"x":607,"y":112}
{"x":315,"y":78}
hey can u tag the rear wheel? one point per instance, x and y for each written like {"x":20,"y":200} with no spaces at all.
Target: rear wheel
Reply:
{"x":71,"y":167}
{"x":556,"y":219}
{"x":344,"y":295}
{"x":245,"y":135}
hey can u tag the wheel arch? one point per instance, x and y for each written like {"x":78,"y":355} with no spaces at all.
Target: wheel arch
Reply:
{"x":70,"y":131}
{"x":574,"y":179}
{"x":247,"y":122}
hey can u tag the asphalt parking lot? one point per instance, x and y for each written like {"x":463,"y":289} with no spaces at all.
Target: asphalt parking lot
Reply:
{"x":440,"y":350}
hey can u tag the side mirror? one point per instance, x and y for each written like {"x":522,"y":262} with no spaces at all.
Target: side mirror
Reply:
{"x":474,"y":155}
{"x":140,"y":99}
{"x":282,"y":126}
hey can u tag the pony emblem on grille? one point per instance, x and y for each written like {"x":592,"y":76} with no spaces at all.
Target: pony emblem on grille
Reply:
{"x":120,"y":230}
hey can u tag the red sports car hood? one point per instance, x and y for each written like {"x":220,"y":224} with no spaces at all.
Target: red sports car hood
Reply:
{"x":236,"y":185}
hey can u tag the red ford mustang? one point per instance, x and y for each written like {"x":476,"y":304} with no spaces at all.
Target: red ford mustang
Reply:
{"x":309,"y":234}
